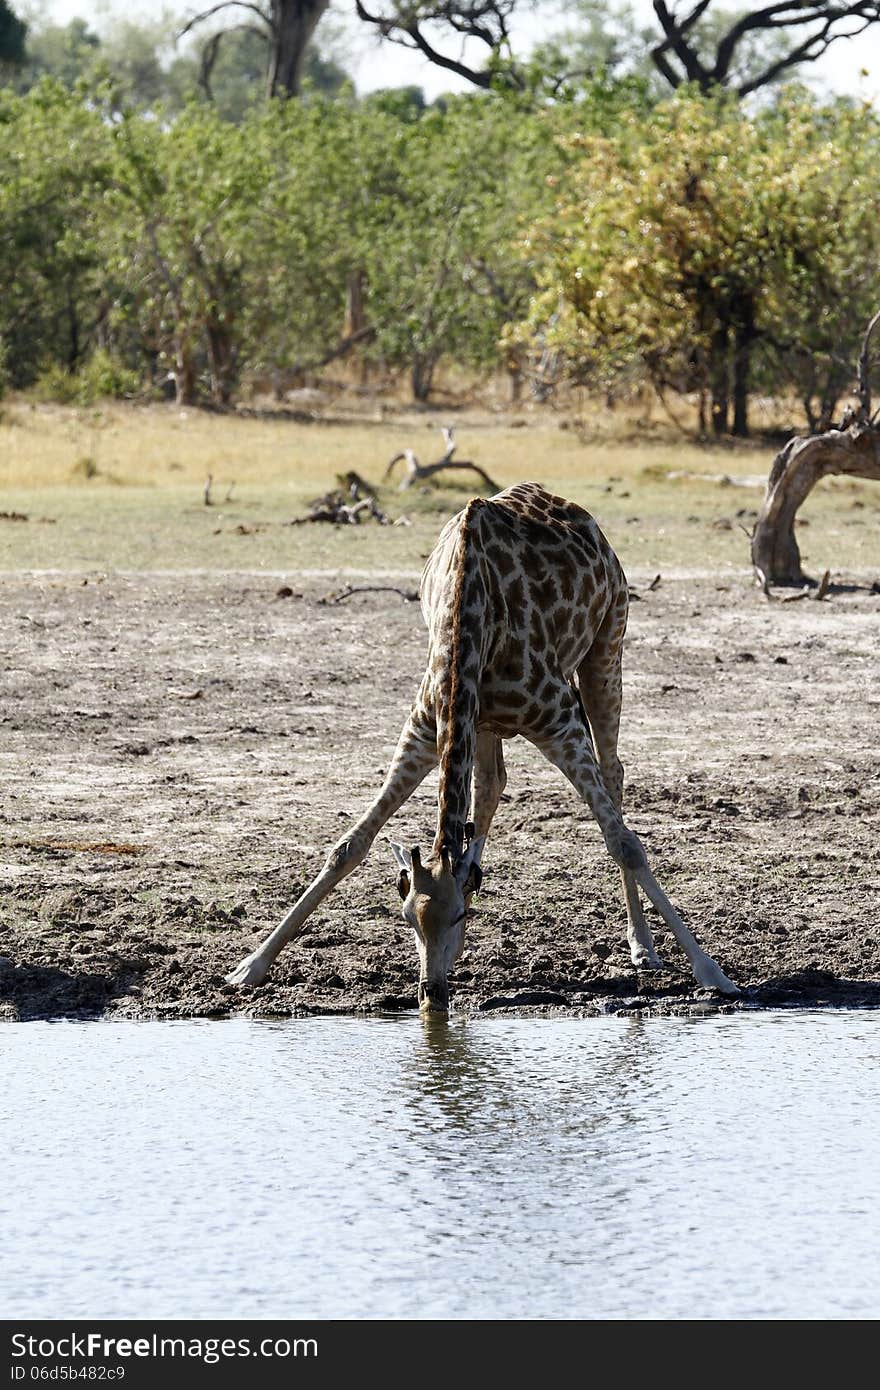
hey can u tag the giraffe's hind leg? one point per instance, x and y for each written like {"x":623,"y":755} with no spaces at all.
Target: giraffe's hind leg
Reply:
{"x":415,"y":755}
{"x":566,"y":742}
{"x":601,"y":688}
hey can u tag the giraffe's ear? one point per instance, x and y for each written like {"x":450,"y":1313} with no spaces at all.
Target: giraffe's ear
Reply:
{"x":471,"y":873}
{"x":404,"y":864}
{"x":401,"y":858}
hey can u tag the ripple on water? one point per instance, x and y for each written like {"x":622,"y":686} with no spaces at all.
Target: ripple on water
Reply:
{"x":608,"y":1168}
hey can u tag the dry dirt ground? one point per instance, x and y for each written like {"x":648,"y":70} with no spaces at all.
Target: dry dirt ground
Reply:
{"x":178,"y":752}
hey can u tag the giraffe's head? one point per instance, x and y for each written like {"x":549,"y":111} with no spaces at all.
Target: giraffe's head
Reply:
{"x":436,"y":896}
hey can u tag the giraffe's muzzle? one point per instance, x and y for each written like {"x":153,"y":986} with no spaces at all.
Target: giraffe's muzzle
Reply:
{"x":434,"y":996}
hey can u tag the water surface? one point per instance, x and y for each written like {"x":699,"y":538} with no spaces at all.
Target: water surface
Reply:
{"x":719,"y":1167}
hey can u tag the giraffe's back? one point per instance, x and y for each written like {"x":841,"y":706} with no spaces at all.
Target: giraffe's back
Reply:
{"x":521,"y":586}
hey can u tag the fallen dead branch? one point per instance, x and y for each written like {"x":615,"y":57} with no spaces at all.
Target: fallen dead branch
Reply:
{"x":346,"y":506}
{"x":419,"y":472}
{"x":807,"y":592}
{"x":409,"y":595}
{"x":356,"y":486}
{"x":339,"y":510}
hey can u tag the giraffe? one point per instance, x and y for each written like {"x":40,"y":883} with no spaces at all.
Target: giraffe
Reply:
{"x":526,"y":607}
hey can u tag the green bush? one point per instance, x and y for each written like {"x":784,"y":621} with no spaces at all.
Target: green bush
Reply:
{"x":103,"y":376}
{"x":55,"y":383}
{"x":96,"y":379}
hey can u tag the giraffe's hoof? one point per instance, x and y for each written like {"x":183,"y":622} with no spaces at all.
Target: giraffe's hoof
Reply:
{"x":647,"y":960}
{"x":711,"y":976}
{"x":251,"y":971}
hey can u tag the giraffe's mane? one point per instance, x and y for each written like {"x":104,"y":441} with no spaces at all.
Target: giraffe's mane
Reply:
{"x":460,"y":567}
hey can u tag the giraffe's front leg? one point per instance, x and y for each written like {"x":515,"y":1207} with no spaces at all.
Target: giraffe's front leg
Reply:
{"x":642,"y":950}
{"x":415,"y":756}
{"x":568,"y":745}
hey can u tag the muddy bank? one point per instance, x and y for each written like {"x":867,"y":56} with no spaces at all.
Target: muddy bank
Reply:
{"x":178,"y":753}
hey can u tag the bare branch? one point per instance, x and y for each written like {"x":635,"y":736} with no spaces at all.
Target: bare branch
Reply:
{"x":826,"y":25}
{"x":209,"y":56}
{"x":483,"y":20}
{"x":675,"y":31}
{"x":226,"y":5}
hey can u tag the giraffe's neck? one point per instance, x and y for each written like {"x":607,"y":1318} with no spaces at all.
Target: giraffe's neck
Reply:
{"x":457,"y":692}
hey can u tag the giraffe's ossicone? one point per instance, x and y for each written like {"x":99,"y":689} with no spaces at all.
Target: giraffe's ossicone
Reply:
{"x":526,"y":607}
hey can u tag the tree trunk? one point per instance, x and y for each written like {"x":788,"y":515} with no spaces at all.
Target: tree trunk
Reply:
{"x":355,"y":322}
{"x":73,"y":341}
{"x":355,"y":318}
{"x":744,"y":338}
{"x":702,"y":417}
{"x":719,"y":380}
{"x":422,"y":375}
{"x":293,"y":24}
{"x":184,"y":375}
{"x":795,"y":471}
{"x":223,"y":359}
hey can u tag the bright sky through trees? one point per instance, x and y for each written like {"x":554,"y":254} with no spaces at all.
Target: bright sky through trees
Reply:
{"x":375,"y":65}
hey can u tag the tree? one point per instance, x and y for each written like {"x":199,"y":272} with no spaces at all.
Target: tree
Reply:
{"x":613,"y":38}
{"x":183,"y":214}
{"x":65,"y":52}
{"x":13,"y":32}
{"x":603,"y":38}
{"x":441,"y":278}
{"x":54,"y":167}
{"x":232,"y":74}
{"x":287,"y":26}
{"x":685,"y":243}
{"x":128,"y":59}
{"x":742,"y":50}
{"x":138,"y":58}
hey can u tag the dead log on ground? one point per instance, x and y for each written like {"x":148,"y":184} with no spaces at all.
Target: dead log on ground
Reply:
{"x":419,"y":472}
